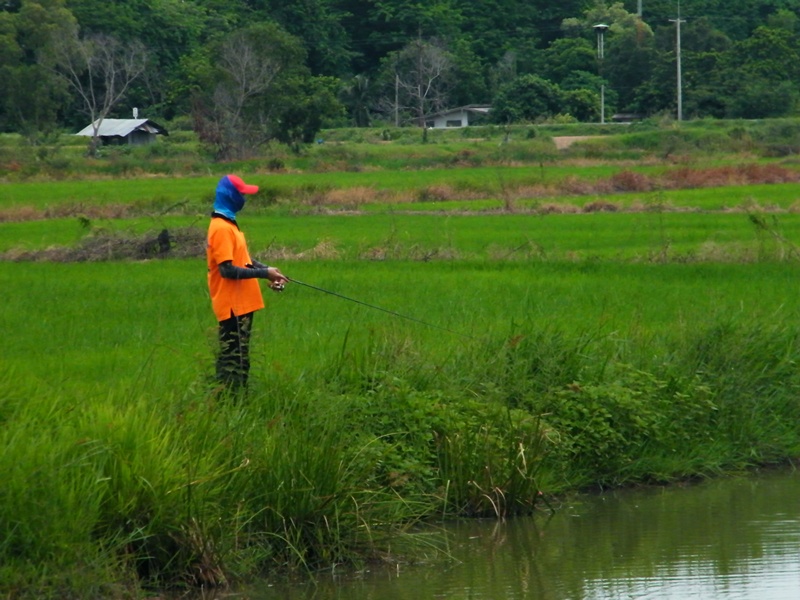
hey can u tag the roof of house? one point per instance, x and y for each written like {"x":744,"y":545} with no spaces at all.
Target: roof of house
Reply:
{"x":123,"y":127}
{"x":474,"y":108}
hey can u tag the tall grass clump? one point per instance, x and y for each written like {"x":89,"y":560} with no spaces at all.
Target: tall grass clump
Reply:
{"x":751,"y":368}
{"x":199,"y":488}
{"x":51,"y":502}
{"x":182,"y":491}
{"x":463,"y":451}
{"x":719,"y":398}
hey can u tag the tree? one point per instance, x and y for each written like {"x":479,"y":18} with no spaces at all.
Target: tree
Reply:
{"x":703,"y":47}
{"x":566,"y":56}
{"x":526,"y":99}
{"x":318,"y":23}
{"x":582,"y":104}
{"x":30,"y":95}
{"x":247,"y":66}
{"x":169,"y":29}
{"x":503,"y":72}
{"x":261,"y":91}
{"x":356,"y":96}
{"x":629,"y":47}
{"x":422,"y":72}
{"x":759,"y":74}
{"x":313,"y":102}
{"x":99,"y":69}
{"x":469,"y":81}
{"x":440,"y":19}
{"x":582,"y":96}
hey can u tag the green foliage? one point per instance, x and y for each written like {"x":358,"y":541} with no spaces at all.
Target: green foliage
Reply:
{"x":491,"y":466}
{"x":355,"y":96}
{"x":732,"y":56}
{"x":610,"y":427}
{"x":320,"y":24}
{"x":258,"y":74}
{"x":567,"y":56}
{"x":31,"y":96}
{"x":301,"y":121}
{"x":528,"y":98}
{"x":728,"y":51}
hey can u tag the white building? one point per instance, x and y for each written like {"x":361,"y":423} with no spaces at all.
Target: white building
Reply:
{"x":457,"y":117}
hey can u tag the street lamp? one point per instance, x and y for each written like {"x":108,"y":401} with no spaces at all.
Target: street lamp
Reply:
{"x":601,"y":29}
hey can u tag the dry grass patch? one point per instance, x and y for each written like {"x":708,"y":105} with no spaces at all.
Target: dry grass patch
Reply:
{"x":411,"y":253}
{"x":182,"y":242}
{"x":641,"y":206}
{"x":749,"y":174}
{"x":324,"y":250}
{"x":725,"y":253}
{"x":751,"y":205}
{"x":629,"y":181}
{"x":556,"y":208}
{"x":16,"y":214}
{"x":534,"y":191}
{"x":600,"y":206}
{"x":438,"y":193}
{"x":354,"y":197}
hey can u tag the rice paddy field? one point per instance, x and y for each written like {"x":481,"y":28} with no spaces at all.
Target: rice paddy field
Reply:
{"x":478,"y":341}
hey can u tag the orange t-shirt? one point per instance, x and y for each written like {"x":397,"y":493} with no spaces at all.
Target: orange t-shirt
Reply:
{"x":238,"y":296}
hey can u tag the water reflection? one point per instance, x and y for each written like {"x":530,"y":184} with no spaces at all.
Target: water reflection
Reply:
{"x":732,"y":539}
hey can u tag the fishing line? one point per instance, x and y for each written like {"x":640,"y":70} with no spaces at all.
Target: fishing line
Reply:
{"x":386,"y":310}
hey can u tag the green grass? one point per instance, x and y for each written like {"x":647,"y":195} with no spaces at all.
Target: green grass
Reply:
{"x":633,"y":236}
{"x":166,"y":190}
{"x":106,"y":325}
{"x":543,"y":353}
{"x":548,"y":189}
{"x":685,"y":369}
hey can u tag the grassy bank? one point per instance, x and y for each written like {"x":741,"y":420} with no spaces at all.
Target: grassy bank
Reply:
{"x":552,"y":377}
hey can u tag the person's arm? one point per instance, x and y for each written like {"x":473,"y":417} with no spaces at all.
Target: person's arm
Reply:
{"x":230,"y":271}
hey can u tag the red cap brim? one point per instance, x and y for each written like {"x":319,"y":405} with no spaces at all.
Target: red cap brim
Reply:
{"x":241,"y":186}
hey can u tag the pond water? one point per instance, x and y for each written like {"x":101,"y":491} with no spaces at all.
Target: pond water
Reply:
{"x":727,"y":539}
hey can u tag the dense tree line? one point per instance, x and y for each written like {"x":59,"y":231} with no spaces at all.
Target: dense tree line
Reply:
{"x":251,"y":71}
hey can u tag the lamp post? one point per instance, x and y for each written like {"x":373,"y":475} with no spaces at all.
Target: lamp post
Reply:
{"x":601,"y":29}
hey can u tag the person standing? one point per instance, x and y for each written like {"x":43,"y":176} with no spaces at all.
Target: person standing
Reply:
{"x":232,"y":282}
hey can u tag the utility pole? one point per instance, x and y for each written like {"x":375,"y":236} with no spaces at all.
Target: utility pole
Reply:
{"x":639,"y":9}
{"x":678,"y":22}
{"x":601,"y":28}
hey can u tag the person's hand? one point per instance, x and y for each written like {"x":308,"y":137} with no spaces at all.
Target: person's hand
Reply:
{"x":277,"y":280}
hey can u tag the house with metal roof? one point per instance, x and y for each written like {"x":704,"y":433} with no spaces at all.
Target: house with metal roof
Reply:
{"x":457,"y":117}
{"x":125,"y":131}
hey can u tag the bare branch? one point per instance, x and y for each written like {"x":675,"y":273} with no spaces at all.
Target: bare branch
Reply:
{"x":422,"y":70}
{"x":99,"y":69}
{"x":249,"y":73}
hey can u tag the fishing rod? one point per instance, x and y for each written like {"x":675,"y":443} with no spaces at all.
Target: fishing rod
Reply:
{"x":386,"y":310}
